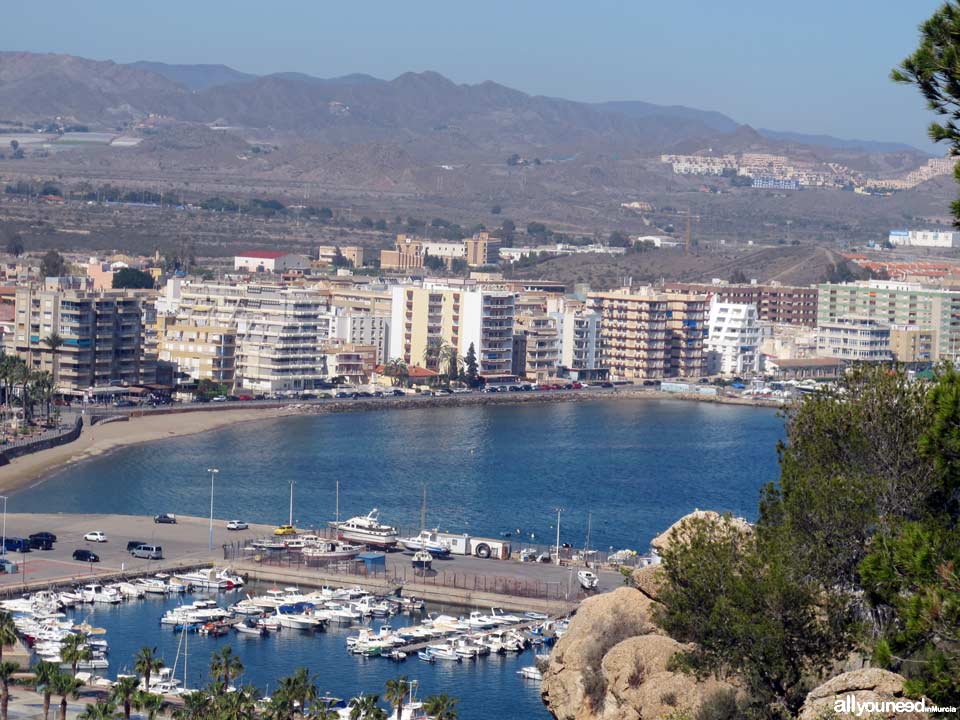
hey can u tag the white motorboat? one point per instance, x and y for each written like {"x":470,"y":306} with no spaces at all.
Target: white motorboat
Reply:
{"x":342,"y":614}
{"x":324,"y":551}
{"x":245,"y":629}
{"x":206,"y":579}
{"x":298,"y":621}
{"x":530,"y":672}
{"x":588,"y":579}
{"x":422,"y":560}
{"x":501,"y":617}
{"x":428,"y":540}
{"x":368,"y":530}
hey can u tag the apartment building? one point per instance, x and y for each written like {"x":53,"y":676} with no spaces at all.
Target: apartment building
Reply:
{"x":351,"y":253}
{"x":277,"y":332}
{"x":732,"y":345}
{"x":481,"y":250}
{"x":201,"y":351}
{"x":102,"y":335}
{"x":269,"y":261}
{"x":855,"y":339}
{"x":779,"y":304}
{"x":924,"y":238}
{"x":579,"y":331}
{"x":406,"y":255}
{"x":911,"y":344}
{"x":433,"y":314}
{"x":357,"y":328}
{"x":650,"y":334}
{"x":536,"y":347}
{"x":897,"y":303}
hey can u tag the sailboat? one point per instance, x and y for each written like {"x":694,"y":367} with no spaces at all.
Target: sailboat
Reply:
{"x":428,"y":540}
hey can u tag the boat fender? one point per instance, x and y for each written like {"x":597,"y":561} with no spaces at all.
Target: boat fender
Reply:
{"x":483,"y":550}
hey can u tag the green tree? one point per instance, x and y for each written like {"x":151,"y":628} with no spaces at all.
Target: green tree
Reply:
{"x":8,"y":631}
{"x":738,"y":277}
{"x":339,"y":261}
{"x":150,"y":704}
{"x":52,"y":264}
{"x":471,"y":375}
{"x":44,"y":674}
{"x":397,"y":371}
{"x":432,"y":352}
{"x":366,"y":707}
{"x":225,"y":665}
{"x":397,"y":691}
{"x":132,"y":278}
{"x":14,"y":244}
{"x":441,"y":707}
{"x":54,"y":341}
{"x":74,"y":650}
{"x":65,"y":686}
{"x":7,"y":670}
{"x":197,"y":705}
{"x":124,"y":693}
{"x":100,"y":710}
{"x":934,"y":68}
{"x":145,"y":663}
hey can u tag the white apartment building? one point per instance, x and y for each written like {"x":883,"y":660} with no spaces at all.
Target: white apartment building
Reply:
{"x":925,"y":238}
{"x":732,"y":345}
{"x":430,"y":314}
{"x":579,"y":332}
{"x":277,"y":331}
{"x":355,"y":328}
{"x":857,"y":339}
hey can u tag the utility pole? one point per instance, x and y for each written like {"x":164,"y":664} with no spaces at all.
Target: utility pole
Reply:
{"x":559,"y":510}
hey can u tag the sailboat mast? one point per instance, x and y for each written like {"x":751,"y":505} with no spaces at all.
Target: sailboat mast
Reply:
{"x":338,"y":502}
{"x":185,"y":641}
{"x":586,"y":545}
{"x":423,"y":510}
{"x":291,"y":503}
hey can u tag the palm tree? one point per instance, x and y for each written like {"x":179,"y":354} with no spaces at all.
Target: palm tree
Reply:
{"x":21,"y":377}
{"x":449,"y":362}
{"x":224,"y":664}
{"x":43,"y":675}
{"x":124,"y":693}
{"x":42,"y":390}
{"x":431,"y":353}
{"x":441,"y":707}
{"x":396,"y":370}
{"x":75,"y":650}
{"x":320,"y":711}
{"x":7,"y":669}
{"x":8,"y":631}
{"x":396,"y":694}
{"x":365,"y":707}
{"x":239,"y":705}
{"x":148,"y":703}
{"x":100,"y":710}
{"x":54,"y":342}
{"x":196,"y":706}
{"x":65,"y":686}
{"x":145,"y":663}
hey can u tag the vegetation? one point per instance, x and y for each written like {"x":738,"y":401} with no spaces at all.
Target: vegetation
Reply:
{"x":855,"y":550}
{"x":132,"y":278}
{"x":471,"y":375}
{"x":53,"y":265}
{"x":935,"y":69}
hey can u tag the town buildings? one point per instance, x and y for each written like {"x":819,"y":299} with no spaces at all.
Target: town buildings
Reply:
{"x":854,"y":339}
{"x":779,"y":304}
{"x":925,"y":238}
{"x":732,"y":345}
{"x":102,"y":337}
{"x":352,"y":254}
{"x":651,"y":334}
{"x":269,"y":261}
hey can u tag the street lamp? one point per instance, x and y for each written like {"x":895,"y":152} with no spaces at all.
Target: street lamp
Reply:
{"x":559,"y":510}
{"x":3,"y":552}
{"x":213,"y":472}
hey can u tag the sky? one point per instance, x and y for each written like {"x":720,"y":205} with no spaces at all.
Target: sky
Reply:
{"x":817,"y":66}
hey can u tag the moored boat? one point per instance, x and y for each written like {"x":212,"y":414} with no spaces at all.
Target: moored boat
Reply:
{"x":368,"y":530}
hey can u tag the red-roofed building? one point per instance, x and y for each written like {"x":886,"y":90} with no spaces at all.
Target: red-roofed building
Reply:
{"x":272,"y":261}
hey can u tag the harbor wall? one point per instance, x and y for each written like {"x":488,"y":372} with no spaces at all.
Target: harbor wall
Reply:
{"x":44,"y":442}
{"x":380,"y":584}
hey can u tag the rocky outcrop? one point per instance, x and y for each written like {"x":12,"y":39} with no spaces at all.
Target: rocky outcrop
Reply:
{"x":612,"y":664}
{"x":867,"y":685}
{"x":676,"y":531}
{"x":648,"y":580}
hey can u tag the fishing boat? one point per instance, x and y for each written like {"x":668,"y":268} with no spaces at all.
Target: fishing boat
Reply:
{"x":324,"y":551}
{"x":368,"y":530}
{"x":428,"y":540}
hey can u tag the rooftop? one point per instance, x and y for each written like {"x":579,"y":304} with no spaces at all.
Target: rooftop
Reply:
{"x":263,"y":254}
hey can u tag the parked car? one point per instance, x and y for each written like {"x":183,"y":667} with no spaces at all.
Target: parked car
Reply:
{"x":165,"y":519}
{"x":44,"y":536}
{"x":606,"y":384}
{"x":649,"y":383}
{"x":96,"y":536}
{"x":16,"y":544}
{"x":134,"y":544}
{"x":245,"y":397}
{"x":577,"y":386}
{"x":148,"y":552}
{"x":124,"y":403}
{"x":396,"y":392}
{"x":39,"y":543}
{"x":237,"y":525}
{"x":285,"y":530}
{"x":219,"y":398}
{"x":308,"y":396}
{"x":342,"y":394}
{"x":85,"y":555}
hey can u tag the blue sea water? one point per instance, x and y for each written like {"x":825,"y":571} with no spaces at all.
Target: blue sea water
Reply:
{"x":486,"y":688}
{"x":634,"y":465}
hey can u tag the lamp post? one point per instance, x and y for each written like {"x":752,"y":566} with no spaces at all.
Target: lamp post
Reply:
{"x":559,"y":510}
{"x":3,"y":551}
{"x":213,"y":473}
{"x":291,"y":504}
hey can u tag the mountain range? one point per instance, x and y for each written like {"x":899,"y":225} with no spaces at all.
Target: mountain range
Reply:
{"x":411,"y":108}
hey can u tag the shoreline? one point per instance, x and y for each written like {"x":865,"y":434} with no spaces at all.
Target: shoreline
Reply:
{"x":101,"y":439}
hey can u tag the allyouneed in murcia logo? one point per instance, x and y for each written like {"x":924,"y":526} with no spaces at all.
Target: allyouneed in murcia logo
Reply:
{"x":851,"y":706}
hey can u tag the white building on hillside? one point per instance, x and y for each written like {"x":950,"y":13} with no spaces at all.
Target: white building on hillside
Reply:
{"x":925,"y":238}
{"x":732,"y":346}
{"x":269,"y":261}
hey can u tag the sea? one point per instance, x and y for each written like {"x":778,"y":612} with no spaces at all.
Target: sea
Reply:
{"x":623,"y":469}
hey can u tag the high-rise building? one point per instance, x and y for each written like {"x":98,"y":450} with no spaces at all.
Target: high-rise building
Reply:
{"x":429,"y":316}
{"x":896,"y":303}
{"x":579,"y":331}
{"x":779,"y":304}
{"x":101,"y":335}
{"x":732,"y":345}
{"x":536,"y":346}
{"x":649,"y":334}
{"x":481,"y":250}
{"x":199,"y":350}
{"x":854,"y":339}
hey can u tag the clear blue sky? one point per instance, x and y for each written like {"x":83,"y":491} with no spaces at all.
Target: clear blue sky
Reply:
{"x":810,"y":66}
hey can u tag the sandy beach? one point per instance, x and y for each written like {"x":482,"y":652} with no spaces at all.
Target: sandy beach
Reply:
{"x":100,"y":439}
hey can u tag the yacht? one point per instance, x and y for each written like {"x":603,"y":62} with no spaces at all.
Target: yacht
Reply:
{"x":298,"y":621}
{"x":206,"y":579}
{"x":428,"y":540}
{"x":368,"y":530}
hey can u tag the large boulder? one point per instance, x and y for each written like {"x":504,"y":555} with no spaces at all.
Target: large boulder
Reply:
{"x":676,"y":531}
{"x":612,"y":664}
{"x":648,"y":580}
{"x":867,"y":685}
